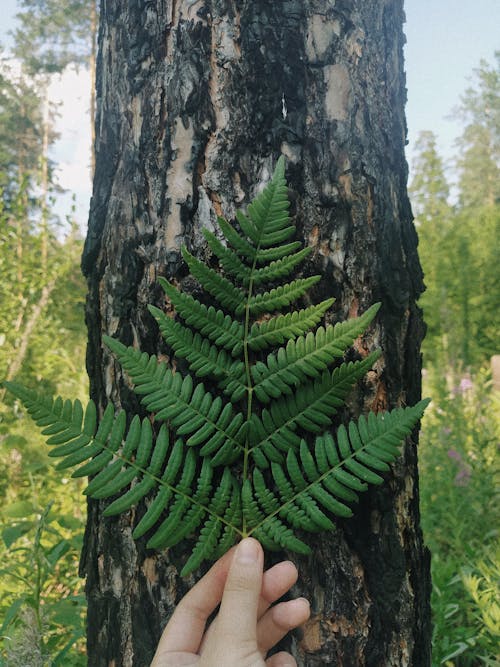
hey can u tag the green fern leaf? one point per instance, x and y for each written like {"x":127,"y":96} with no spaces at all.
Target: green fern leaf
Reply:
{"x":238,"y":242}
{"x":279,"y":268}
{"x":305,"y":356}
{"x":214,"y":324}
{"x":311,"y":408}
{"x":140,"y":490}
{"x":191,"y":410}
{"x":311,"y":486}
{"x":220,"y":288}
{"x":226,"y":503}
{"x":278,"y":329}
{"x":281,"y":296}
{"x":204,"y":359}
{"x":268,"y":213}
{"x":228,"y":259}
{"x":251,"y":452}
{"x":265,"y":255}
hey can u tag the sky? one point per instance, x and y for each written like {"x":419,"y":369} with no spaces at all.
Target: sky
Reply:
{"x":446,"y":39}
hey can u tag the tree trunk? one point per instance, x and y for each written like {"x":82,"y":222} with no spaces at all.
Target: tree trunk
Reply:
{"x":196,"y":99}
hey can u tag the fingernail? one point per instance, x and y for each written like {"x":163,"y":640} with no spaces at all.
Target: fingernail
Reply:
{"x":248,"y":551}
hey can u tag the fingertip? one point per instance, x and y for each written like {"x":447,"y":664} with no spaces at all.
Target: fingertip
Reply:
{"x":281,"y":659}
{"x":248,"y":551}
{"x":290,"y":569}
{"x":290,"y":614}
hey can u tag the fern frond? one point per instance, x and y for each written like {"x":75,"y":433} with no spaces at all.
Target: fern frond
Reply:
{"x":225,"y":502}
{"x":268,"y":213}
{"x":147,"y":463}
{"x":249,"y":453}
{"x":315,"y":485}
{"x":269,"y":530}
{"x":223,"y":290}
{"x":237,"y":241}
{"x":280,"y":297}
{"x":243,"y":274}
{"x":267,"y":223}
{"x":280,"y":267}
{"x":215,"y":324}
{"x":191,"y":410}
{"x":204,"y":359}
{"x":278,"y":329}
{"x":306,"y":357}
{"x":228,"y":259}
{"x":265,"y":255}
{"x":249,"y":252}
{"x":312,"y":408}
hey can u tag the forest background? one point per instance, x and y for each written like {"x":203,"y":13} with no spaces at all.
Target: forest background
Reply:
{"x":456,"y":203}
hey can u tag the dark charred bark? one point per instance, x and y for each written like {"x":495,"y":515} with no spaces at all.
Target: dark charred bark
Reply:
{"x":196,"y":99}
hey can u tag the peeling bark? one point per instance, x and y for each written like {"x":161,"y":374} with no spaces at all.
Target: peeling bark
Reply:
{"x":195,"y":101}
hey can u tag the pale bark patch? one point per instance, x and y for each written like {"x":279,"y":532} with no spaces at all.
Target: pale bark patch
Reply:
{"x":179,"y":181}
{"x":319,"y":37}
{"x":338,"y":97}
{"x":136,"y":110}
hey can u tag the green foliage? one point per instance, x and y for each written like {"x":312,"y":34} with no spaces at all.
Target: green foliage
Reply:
{"x":459,"y":252}
{"x":42,"y":606}
{"x":243,"y":446}
{"x":53,"y":33}
{"x":41,"y":332}
{"x":460,"y":499}
{"x":459,"y":247}
{"x":479,"y":145}
{"x":20,"y":137}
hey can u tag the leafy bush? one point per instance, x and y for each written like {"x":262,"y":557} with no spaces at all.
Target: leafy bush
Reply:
{"x":460,"y":440}
{"x":42,"y":606}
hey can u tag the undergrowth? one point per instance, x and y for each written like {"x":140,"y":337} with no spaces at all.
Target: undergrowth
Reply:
{"x":459,"y":473}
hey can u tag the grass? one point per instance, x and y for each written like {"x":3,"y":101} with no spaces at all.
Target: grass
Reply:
{"x":459,"y":478}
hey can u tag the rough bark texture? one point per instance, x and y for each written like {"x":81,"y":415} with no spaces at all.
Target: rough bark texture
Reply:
{"x":195,"y":101}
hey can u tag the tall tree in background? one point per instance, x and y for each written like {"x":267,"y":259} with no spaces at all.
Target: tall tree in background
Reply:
{"x":25,"y":183}
{"x":459,"y":244}
{"x":479,"y":145}
{"x":53,"y":34}
{"x":478,"y":227}
{"x":429,"y":193}
{"x":20,"y":134}
{"x":196,"y":102}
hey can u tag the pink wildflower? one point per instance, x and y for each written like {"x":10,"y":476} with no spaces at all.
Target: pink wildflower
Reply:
{"x":465,"y":384}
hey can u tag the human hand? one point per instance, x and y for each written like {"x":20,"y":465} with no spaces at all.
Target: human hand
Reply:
{"x":247,"y":626}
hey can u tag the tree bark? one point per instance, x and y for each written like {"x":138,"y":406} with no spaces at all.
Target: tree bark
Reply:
{"x":196,"y":99}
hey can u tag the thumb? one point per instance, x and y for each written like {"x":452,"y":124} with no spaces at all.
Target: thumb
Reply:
{"x":238,"y":610}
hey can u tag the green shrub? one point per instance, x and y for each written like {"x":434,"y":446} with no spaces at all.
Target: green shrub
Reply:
{"x":459,"y":489}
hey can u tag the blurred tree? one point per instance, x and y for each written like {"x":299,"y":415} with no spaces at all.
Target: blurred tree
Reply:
{"x":20,"y":133}
{"x":53,"y":34}
{"x":479,"y":145}
{"x":429,"y":191}
{"x":459,"y":245}
{"x":477,"y":227}
{"x":429,"y":188}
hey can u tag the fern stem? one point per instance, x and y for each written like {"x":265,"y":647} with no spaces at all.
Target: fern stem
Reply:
{"x":247,"y":448}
